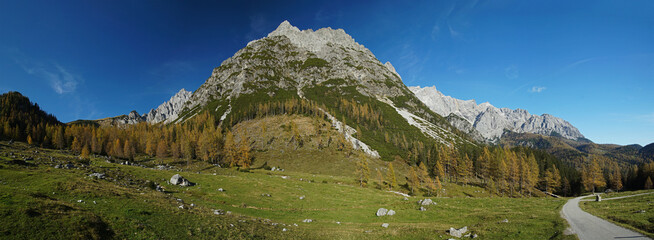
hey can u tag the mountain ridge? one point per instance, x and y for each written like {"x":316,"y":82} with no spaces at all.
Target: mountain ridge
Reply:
{"x":490,"y":122}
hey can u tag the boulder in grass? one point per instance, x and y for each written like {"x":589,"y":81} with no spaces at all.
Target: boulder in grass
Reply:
{"x":381,"y":212}
{"x":390,"y":212}
{"x":458,"y":232}
{"x":384,"y":225}
{"x":179,"y":180}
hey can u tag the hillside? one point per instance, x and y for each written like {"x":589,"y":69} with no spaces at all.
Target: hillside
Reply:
{"x":22,"y":120}
{"x":40,"y":199}
{"x":576,"y":153}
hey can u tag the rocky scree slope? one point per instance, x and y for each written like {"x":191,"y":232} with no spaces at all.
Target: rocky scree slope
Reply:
{"x":488,"y":123}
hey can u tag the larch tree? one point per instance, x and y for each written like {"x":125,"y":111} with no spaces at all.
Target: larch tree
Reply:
{"x":391,"y":177}
{"x":117,"y":149}
{"x":592,"y":177}
{"x":413,"y":180}
{"x":615,"y":177}
{"x":230,"y":149}
{"x":244,"y":153}
{"x":128,"y":150}
{"x":485,"y":164}
{"x":648,"y":183}
{"x":162,"y":149}
{"x":85,"y":152}
{"x":423,"y":173}
{"x":552,"y":179}
{"x":362,"y":172}
{"x":380,"y":179}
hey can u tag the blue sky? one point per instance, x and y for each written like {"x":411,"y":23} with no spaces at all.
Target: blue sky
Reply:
{"x":588,"y":62}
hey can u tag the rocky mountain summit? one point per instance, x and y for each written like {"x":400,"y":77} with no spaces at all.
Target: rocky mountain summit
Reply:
{"x":290,"y":59}
{"x":166,"y":112}
{"x":488,"y":122}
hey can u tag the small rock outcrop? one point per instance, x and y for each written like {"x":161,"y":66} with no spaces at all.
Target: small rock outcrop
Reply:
{"x":458,"y":232}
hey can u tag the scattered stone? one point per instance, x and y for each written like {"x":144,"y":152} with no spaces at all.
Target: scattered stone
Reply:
{"x":390,"y":212}
{"x":302,"y":198}
{"x":59,"y":166}
{"x":422,"y":208}
{"x":381,"y":212}
{"x":284,"y":177}
{"x":95,"y":202}
{"x":284,"y":230}
{"x":179,"y":180}
{"x":265,"y":195}
{"x":192,"y":204}
{"x":307,"y":220}
{"x":160,"y":167}
{"x":229,"y":212}
{"x":385,"y":225}
{"x":474,"y":236}
{"x":69,"y":166}
{"x":97,"y":175}
{"x":598,"y":198}
{"x":339,"y":223}
{"x":80,"y":201}
{"x":221,"y":190}
{"x":426,"y":202}
{"x":180,"y":200}
{"x":505,"y":221}
{"x":406,"y":199}
{"x":641,"y":211}
{"x":458,"y":232}
{"x":295,"y":224}
{"x":218,"y":212}
{"x":159,"y":188}
{"x":273,"y":169}
{"x":367,"y":231}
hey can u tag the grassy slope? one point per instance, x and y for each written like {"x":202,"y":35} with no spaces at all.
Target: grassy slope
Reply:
{"x":127,"y":208}
{"x":625,"y":212}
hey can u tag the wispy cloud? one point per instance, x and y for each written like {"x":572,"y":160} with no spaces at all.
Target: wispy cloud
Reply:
{"x":60,"y":79}
{"x":537,"y":89}
{"x":511,"y":72}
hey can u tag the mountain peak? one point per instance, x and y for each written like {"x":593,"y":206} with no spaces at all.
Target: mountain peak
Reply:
{"x":284,"y":28}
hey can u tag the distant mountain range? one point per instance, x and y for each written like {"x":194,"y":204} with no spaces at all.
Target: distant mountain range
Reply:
{"x":488,"y":123}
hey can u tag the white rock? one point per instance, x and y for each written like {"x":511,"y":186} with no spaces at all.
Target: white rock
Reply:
{"x":384,"y":225}
{"x":381,"y":212}
{"x":390,"y":212}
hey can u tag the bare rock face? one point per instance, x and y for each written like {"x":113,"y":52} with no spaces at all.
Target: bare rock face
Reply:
{"x":490,"y":122}
{"x":169,"y":110}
